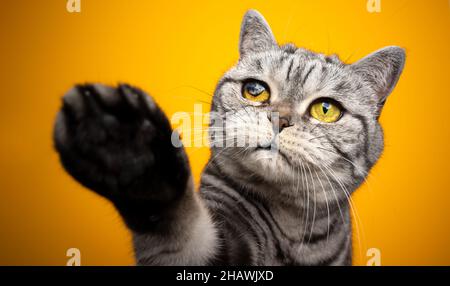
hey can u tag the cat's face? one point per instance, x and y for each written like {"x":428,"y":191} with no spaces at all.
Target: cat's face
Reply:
{"x":300,"y":118}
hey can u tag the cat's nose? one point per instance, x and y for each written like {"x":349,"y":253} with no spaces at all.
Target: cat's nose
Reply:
{"x":283,"y":123}
{"x":279,"y":122}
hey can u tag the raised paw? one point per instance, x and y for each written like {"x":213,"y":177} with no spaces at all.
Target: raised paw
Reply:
{"x":117,"y":142}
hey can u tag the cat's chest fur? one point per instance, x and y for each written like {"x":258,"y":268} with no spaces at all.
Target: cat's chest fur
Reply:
{"x":313,"y":237}
{"x":259,"y":233}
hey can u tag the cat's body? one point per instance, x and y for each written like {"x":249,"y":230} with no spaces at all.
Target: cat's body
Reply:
{"x":287,"y":205}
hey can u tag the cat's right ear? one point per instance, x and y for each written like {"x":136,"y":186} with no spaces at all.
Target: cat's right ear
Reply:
{"x":256,"y":35}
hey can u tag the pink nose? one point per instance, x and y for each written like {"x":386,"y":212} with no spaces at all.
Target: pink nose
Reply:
{"x":279,"y":122}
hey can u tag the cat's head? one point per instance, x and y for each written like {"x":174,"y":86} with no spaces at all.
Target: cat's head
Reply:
{"x":314,"y":118}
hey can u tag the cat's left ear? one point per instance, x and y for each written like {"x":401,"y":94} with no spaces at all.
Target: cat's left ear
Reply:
{"x":256,"y":35}
{"x":382,"y":70}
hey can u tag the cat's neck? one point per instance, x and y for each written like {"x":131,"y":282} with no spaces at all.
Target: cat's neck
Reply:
{"x":297,"y":214}
{"x":306,"y":223}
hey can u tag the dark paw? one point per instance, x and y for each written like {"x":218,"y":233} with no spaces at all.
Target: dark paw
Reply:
{"x":117,"y":142}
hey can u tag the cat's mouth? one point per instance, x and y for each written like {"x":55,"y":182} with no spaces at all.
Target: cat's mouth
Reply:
{"x":269,"y":152}
{"x":268,"y":148}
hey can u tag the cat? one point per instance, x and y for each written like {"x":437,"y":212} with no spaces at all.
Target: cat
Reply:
{"x":256,"y":205}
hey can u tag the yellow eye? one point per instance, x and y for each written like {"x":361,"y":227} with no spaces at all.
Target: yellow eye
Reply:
{"x":325,"y":111}
{"x":255,"y":91}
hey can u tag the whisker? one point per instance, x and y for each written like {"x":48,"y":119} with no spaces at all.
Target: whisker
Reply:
{"x":352,"y":206}
{"x":326,"y":202}
{"x":314,"y":200}
{"x":307,"y":206}
{"x":334,"y":193}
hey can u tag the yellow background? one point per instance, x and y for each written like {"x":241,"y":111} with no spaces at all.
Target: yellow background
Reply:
{"x":178,"y":49}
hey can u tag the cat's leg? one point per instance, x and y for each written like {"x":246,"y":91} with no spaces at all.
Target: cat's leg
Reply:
{"x":117,"y":142}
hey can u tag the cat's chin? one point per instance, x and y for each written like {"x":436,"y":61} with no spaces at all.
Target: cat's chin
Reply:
{"x":270,"y":162}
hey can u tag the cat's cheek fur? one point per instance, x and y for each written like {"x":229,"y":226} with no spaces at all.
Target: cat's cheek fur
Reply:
{"x":377,"y":145}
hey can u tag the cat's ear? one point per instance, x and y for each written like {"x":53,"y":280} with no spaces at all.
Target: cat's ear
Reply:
{"x":256,"y":35}
{"x":382,"y":70}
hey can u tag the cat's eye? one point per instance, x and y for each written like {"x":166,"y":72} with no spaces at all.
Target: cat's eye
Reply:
{"x":255,"y":91}
{"x":326,"y":110}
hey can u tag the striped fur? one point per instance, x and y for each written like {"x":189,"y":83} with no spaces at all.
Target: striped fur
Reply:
{"x":255,"y":232}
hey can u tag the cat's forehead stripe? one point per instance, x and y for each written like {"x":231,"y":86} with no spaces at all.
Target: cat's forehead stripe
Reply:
{"x":289,"y":69}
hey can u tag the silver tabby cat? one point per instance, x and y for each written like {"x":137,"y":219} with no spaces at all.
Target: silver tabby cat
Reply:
{"x":257,"y":205}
